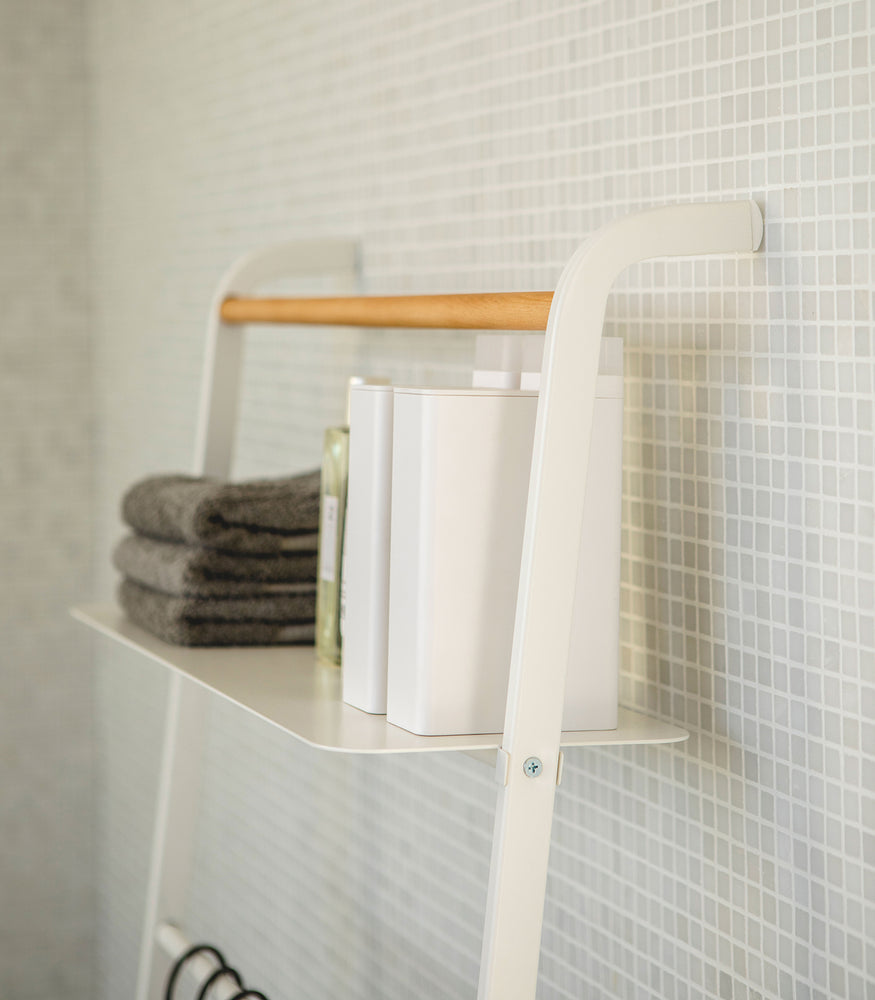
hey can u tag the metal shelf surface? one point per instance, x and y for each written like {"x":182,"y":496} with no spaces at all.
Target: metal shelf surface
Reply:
{"x":290,"y":688}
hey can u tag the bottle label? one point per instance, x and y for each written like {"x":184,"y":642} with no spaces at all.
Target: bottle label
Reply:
{"x":328,"y":539}
{"x":341,"y":621}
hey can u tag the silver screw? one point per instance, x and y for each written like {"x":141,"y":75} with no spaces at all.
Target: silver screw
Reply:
{"x":533,"y":767}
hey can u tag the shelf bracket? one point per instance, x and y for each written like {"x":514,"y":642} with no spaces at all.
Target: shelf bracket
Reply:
{"x":502,"y":766}
{"x":524,"y":815}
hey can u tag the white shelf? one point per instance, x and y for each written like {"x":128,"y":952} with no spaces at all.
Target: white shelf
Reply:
{"x":289,"y":687}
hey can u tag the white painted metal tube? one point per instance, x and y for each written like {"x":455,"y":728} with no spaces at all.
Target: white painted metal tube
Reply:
{"x":515,"y":902}
{"x":178,"y":784}
{"x":174,"y":944}
{"x":175,"y":817}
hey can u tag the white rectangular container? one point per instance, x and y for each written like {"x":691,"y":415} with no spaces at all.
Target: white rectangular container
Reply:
{"x":366,"y":548}
{"x":459,"y":489}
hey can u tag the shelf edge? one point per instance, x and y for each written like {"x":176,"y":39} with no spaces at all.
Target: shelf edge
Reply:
{"x":634,"y":729}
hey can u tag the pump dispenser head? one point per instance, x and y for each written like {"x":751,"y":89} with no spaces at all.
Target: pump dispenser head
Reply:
{"x":497,"y":361}
{"x":532,"y":359}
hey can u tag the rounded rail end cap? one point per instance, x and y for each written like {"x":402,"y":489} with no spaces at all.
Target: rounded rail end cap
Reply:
{"x":756,"y":226}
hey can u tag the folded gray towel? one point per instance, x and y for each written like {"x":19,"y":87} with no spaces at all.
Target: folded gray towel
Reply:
{"x":204,"y":621}
{"x":193,"y":570}
{"x":259,"y":516}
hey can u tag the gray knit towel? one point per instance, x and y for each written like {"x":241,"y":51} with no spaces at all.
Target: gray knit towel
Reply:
{"x":204,"y":621}
{"x":193,"y":570}
{"x":259,"y":516}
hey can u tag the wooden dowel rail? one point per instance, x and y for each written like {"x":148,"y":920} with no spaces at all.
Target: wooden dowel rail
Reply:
{"x":479,"y":311}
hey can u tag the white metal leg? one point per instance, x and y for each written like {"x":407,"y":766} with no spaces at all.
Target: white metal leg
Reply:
{"x":518,"y":875}
{"x":175,"y":817}
{"x":179,"y":782}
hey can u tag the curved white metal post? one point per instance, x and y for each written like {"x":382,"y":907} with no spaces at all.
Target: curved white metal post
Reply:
{"x":515,"y":903}
{"x":221,"y":379}
{"x":179,"y":778}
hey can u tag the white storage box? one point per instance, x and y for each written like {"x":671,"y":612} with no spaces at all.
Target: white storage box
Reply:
{"x":461,"y":461}
{"x":366,"y":551}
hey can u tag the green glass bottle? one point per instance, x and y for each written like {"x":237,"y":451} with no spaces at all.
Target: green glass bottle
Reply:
{"x":332,"y":522}
{"x":335,"y":466}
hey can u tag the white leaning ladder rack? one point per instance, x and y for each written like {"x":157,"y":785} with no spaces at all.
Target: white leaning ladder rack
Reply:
{"x":515,"y":901}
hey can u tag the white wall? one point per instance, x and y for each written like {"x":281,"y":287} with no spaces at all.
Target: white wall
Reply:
{"x":46,"y":872}
{"x":472,"y":146}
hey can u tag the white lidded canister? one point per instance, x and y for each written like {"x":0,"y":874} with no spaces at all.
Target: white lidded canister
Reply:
{"x":461,"y":463}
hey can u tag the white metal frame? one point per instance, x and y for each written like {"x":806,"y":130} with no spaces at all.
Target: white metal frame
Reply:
{"x":515,"y":902}
{"x":179,"y":777}
{"x":554,"y":519}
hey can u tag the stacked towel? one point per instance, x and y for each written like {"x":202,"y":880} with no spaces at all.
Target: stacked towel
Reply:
{"x":262,"y":516}
{"x":211,"y":563}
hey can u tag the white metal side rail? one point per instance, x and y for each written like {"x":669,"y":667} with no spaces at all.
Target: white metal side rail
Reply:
{"x":515,"y":902}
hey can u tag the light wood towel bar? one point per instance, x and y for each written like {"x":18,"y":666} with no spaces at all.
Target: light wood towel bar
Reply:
{"x":481,"y":311}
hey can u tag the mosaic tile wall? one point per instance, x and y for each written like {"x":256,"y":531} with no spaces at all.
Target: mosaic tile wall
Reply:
{"x":46,"y":765}
{"x":472,"y":146}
